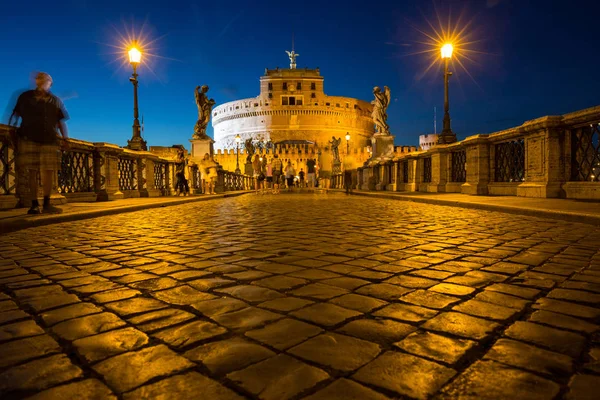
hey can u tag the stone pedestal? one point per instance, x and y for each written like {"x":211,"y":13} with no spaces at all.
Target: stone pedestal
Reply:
{"x":248,"y":169}
{"x":383,"y":146}
{"x":106,"y":174}
{"x":336,"y":167}
{"x":478,"y":165}
{"x":200,"y":147}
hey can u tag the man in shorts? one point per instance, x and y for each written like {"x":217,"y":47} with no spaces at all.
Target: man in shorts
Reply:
{"x":310,"y":173}
{"x":277,"y":169}
{"x":42,"y":116}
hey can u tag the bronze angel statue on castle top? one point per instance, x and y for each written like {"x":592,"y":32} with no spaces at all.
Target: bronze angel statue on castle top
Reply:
{"x":380,"y":105}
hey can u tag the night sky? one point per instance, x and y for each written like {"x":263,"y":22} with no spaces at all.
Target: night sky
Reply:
{"x":535,"y":58}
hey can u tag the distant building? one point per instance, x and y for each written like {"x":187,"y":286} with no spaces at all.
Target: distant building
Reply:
{"x":428,"y":141}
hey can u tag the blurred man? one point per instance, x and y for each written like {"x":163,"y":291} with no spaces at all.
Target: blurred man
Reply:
{"x":42,"y":116}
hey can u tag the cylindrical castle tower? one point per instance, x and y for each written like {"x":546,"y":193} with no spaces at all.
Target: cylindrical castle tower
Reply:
{"x":293,"y":108}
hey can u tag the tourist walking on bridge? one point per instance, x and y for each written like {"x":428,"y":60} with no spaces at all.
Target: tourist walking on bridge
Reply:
{"x":290,"y":172}
{"x":42,"y":115}
{"x":310,"y":173}
{"x":277,"y":173}
{"x":259,"y":177}
{"x":209,"y":174}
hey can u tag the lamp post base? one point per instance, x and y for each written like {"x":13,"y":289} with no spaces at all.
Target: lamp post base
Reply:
{"x":447,"y":137}
{"x":137,"y":143}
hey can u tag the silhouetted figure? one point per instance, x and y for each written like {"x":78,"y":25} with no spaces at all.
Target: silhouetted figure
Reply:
{"x":42,"y":115}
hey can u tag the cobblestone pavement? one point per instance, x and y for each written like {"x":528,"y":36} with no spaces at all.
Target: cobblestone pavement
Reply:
{"x":321,"y":297}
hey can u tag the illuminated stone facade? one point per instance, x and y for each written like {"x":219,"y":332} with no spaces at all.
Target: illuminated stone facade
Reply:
{"x":292,"y":107}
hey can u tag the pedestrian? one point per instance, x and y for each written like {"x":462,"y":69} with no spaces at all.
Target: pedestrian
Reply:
{"x":269,"y":174}
{"x":348,"y":175}
{"x":325,"y":169}
{"x":301,"y":178}
{"x":43,"y":116}
{"x":181,"y":183}
{"x":277,"y":173}
{"x":310,"y":173}
{"x":290,"y":172}
{"x":210,"y":174}
{"x":259,"y":177}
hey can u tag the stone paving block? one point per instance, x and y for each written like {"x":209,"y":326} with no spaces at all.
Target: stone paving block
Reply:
{"x":412,"y":282}
{"x":357,"y":302}
{"x":86,"y":280}
{"x":590,"y":287}
{"x":578,"y":296}
{"x":114,"y":295}
{"x":155,"y":320}
{"x":319,"y":291}
{"x":432,"y":274}
{"x":190,"y":333}
{"x":8,"y":305}
{"x":135,"y":305}
{"x":212,"y":308}
{"x":384,"y":291}
{"x":502,"y":299}
{"x":485,"y":310}
{"x":38,"y":374}
{"x":77,"y":328}
{"x":187,"y":386}
{"x":593,"y":360}
{"x":11,"y":316}
{"x":377,"y":330}
{"x":246,"y":318}
{"x":436,"y":347}
{"x":45,"y":303}
{"x":405,"y":312}
{"x":525,"y":293}
{"x":492,"y":380}
{"x":325,"y":314}
{"x":532,"y":258}
{"x":563,"y":321}
{"x":182,"y":295}
{"x":224,"y":356}
{"x":251,"y":293}
{"x":346,"y":282}
{"x":452,"y":289}
{"x":278,"y":378}
{"x":345,"y":389}
{"x":284,"y":333}
{"x":461,"y":325}
{"x":88,"y":389}
{"x":276,"y":268}
{"x":155,"y":284}
{"x":285,"y":304}
{"x":583,"y":387}
{"x":280,"y":282}
{"x":561,"y":341}
{"x":247,"y":275}
{"x":564,"y":307}
{"x":429,"y":299}
{"x":535,"y":359}
{"x":508,"y":268}
{"x":372,"y":275}
{"x":188,"y":275}
{"x":17,"y":351}
{"x":336,"y":351}
{"x":130,"y":370}
{"x":405,"y":374}
{"x":104,"y":345}
{"x":18,"y":330}
{"x":543,"y":284}
{"x":205,"y":285}
{"x":73,"y":311}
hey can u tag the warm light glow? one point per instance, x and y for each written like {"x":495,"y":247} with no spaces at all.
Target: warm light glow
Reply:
{"x":347,"y":136}
{"x":237,"y":138}
{"x":260,"y":159}
{"x":447,"y":50}
{"x":135,"y":56}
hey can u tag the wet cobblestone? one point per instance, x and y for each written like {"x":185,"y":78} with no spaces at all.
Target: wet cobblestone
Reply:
{"x":301,"y":296}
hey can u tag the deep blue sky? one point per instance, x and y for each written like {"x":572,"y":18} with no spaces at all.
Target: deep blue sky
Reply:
{"x":542,"y":57}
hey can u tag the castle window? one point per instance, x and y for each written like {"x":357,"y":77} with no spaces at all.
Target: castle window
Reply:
{"x":347,"y":105}
{"x":316,"y":104}
{"x":270,"y":95}
{"x":270,"y":85}
{"x":237,"y":107}
{"x":337,"y":104}
{"x":299,"y":101}
{"x":292,"y":101}
{"x":327,"y":104}
{"x":313,"y":86}
{"x":284,"y":85}
{"x":313,"y":96}
{"x":255,"y":104}
{"x":299,"y":86}
{"x":284,"y":101}
{"x":266,"y":104}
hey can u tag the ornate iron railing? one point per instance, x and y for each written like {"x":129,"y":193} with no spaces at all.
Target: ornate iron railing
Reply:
{"x":160,"y":177}
{"x":405,"y":172}
{"x":7,"y":167}
{"x":76,"y":172}
{"x":427,"y":170}
{"x":510,"y":161}
{"x":459,"y":166}
{"x":196,"y":177}
{"x":585,"y":153}
{"x":126,"y":168}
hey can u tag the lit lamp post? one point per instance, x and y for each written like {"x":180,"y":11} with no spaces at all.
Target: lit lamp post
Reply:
{"x":136,"y":142}
{"x":347,"y":143}
{"x":237,"y":154}
{"x":447,"y":135}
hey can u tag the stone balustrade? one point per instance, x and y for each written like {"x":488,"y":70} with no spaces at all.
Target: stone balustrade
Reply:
{"x":102,"y":172}
{"x":552,"y":156}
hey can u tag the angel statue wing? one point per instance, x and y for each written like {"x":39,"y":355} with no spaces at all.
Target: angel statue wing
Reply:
{"x":387,"y":96}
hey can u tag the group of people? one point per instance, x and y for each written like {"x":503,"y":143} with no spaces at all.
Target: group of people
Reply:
{"x":208,"y":174}
{"x":271,"y":175}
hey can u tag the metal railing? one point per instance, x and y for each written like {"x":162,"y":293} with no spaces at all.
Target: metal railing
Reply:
{"x":76,"y":174}
{"x":427,"y":170}
{"x":509,"y":161}
{"x":459,"y":166}
{"x":8,"y":175}
{"x":160,"y":177}
{"x":585,"y":153}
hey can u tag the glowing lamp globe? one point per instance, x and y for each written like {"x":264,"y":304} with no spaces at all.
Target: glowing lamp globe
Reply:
{"x":135,"y":56}
{"x":347,"y":136}
{"x":237,"y":138}
{"x":447,"y":50}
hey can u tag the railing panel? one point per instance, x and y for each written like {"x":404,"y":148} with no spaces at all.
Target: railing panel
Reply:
{"x":160,"y":177}
{"x":76,"y":174}
{"x":427,"y":170}
{"x":510,"y":161}
{"x":459,"y":166}
{"x":405,"y":172}
{"x":8,"y":174}
{"x":126,"y":168}
{"x":585,"y":153}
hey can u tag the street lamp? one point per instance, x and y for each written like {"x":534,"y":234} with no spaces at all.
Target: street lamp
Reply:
{"x":447,"y":135}
{"x":237,"y":157}
{"x":136,"y":142}
{"x":347,"y":143}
